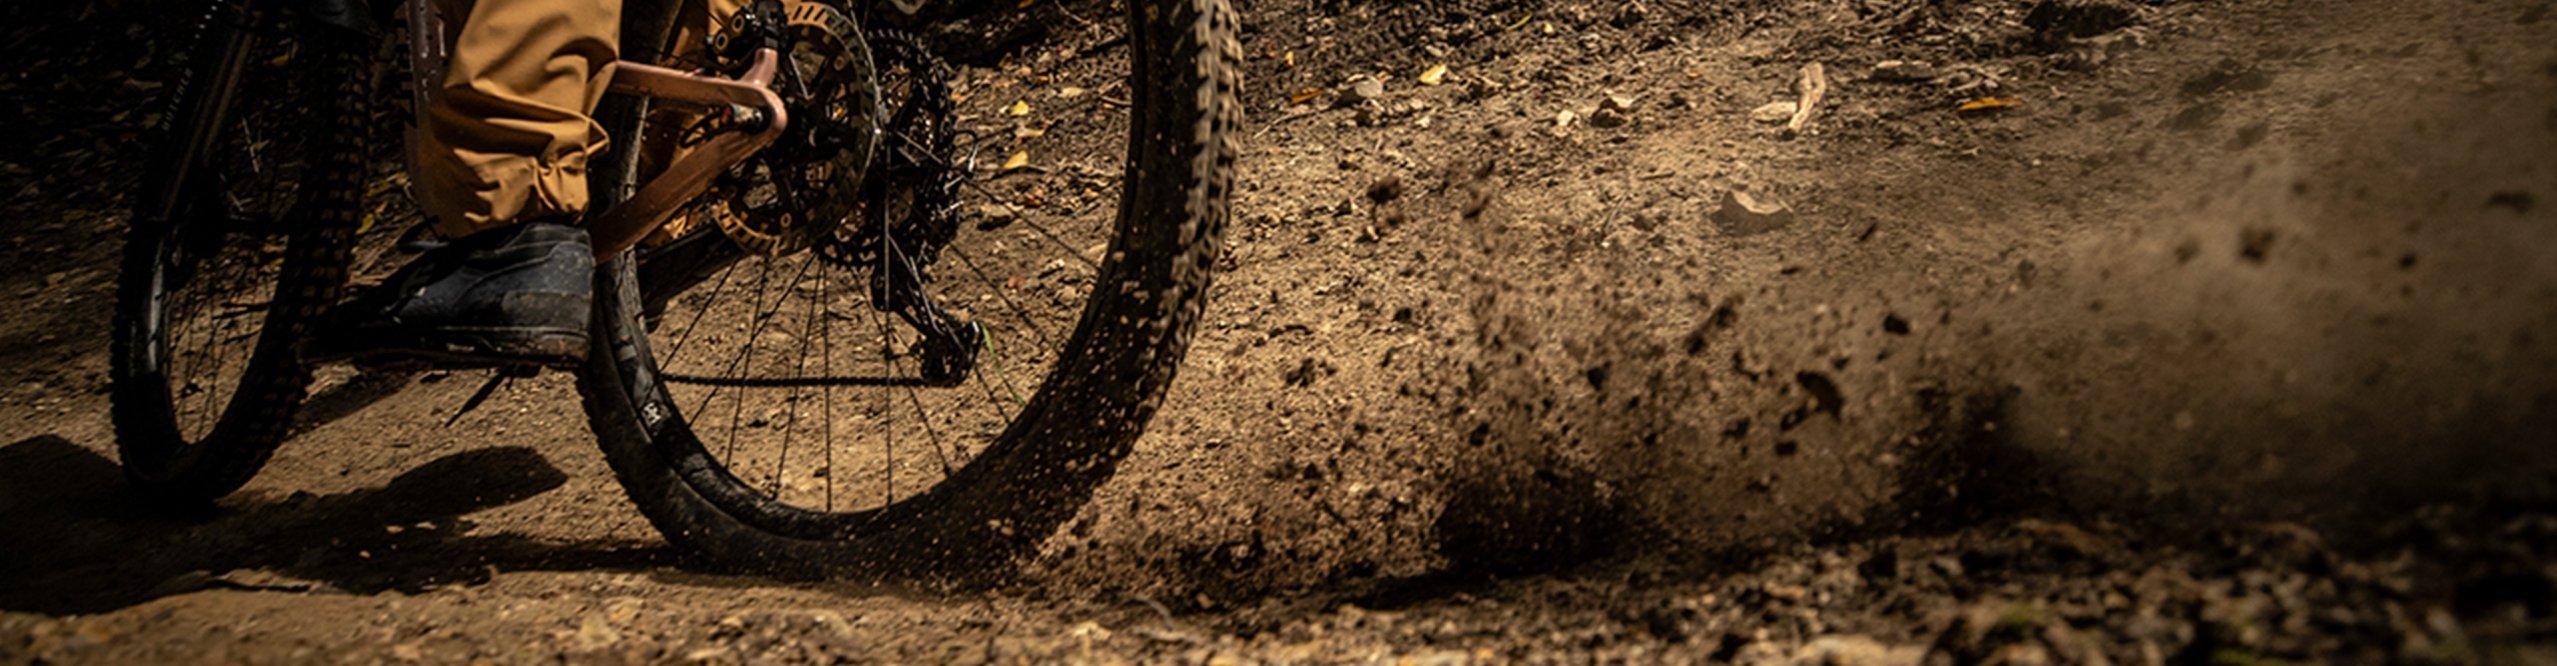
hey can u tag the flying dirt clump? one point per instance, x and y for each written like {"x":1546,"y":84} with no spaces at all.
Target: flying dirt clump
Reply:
{"x":1523,"y":502}
{"x":1526,"y":516}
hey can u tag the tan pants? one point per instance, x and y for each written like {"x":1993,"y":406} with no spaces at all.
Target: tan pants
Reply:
{"x":509,"y":134}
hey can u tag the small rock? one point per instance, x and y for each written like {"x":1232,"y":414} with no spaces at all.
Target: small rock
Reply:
{"x":1774,"y":112}
{"x":1904,"y":71}
{"x":592,"y":634}
{"x":1606,"y":117}
{"x":996,"y":216}
{"x":1760,"y":652}
{"x":1617,"y":102}
{"x":92,"y":633}
{"x":1439,"y":658}
{"x":1856,"y":651}
{"x":1386,"y":189}
{"x":1633,"y":14}
{"x":2517,"y":200}
{"x":1743,"y":214}
{"x":1563,"y":121}
{"x":2254,"y":243}
{"x":1614,"y":110}
{"x":1363,"y":90}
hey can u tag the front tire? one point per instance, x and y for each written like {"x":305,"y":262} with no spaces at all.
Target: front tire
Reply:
{"x":239,"y":239}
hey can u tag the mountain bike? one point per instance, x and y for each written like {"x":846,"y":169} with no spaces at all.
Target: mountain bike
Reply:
{"x":815,"y":351}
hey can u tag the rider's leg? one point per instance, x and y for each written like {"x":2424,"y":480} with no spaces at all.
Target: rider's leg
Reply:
{"x":501,"y":168}
{"x":509,"y":135}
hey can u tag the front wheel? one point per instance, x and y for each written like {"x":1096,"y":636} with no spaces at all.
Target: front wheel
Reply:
{"x":772,"y":413}
{"x":239,"y":238}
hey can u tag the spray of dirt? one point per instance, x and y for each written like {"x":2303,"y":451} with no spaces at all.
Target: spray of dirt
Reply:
{"x":2294,"y":332}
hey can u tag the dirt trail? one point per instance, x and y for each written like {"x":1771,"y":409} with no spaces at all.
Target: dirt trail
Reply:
{"x":2162,"y":364}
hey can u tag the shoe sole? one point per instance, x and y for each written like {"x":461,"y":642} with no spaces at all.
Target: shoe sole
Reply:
{"x":470,"y":351}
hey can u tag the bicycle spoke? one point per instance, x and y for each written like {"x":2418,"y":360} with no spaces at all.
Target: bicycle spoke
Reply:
{"x":807,"y":332}
{"x":925,"y":418}
{"x":1024,"y":218}
{"x":826,"y":394}
{"x":763,"y":280}
{"x":888,"y":434}
{"x":689,"y":327}
{"x":1005,"y":296}
{"x":746,"y":348}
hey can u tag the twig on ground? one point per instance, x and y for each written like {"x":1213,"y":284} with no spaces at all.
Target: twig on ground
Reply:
{"x":1814,"y":85}
{"x":1282,"y":120}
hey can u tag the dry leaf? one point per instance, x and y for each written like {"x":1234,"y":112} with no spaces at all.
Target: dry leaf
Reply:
{"x":1019,"y":159}
{"x":1303,"y":96}
{"x":1437,"y":74}
{"x":1989,"y":104}
{"x":1021,"y":108}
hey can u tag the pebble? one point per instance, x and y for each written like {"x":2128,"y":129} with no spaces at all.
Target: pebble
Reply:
{"x":1742,"y":213}
{"x":1618,"y":102}
{"x":995,"y":215}
{"x":1614,"y":110}
{"x":1904,"y":71}
{"x":1386,"y":189}
{"x":1844,"y":650}
{"x":1607,"y":117}
{"x":1363,"y":90}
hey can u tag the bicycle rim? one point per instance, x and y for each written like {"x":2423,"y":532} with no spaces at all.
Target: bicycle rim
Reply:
{"x":791,"y":416}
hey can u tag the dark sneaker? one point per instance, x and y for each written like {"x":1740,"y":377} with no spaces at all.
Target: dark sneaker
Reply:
{"x":521,"y":295}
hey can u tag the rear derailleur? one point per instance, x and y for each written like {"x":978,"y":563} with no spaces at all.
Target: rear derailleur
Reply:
{"x":948,"y":351}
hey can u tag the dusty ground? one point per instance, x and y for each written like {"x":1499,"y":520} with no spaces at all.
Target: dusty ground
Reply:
{"x":2227,"y":343}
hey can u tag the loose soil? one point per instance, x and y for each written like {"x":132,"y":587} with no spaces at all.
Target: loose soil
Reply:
{"x":2221,"y":338}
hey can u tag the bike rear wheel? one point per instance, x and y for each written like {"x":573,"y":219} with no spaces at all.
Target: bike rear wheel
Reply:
{"x":238,"y":239}
{"x":796,"y":432}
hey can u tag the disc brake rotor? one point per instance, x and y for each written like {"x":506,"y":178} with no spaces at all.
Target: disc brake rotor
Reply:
{"x":807,"y":185}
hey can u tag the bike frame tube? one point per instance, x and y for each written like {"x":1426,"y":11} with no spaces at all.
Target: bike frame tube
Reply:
{"x":748,"y":98}
{"x":204,"y":102}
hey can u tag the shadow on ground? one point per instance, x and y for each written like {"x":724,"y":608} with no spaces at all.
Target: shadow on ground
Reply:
{"x":86,"y":543}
